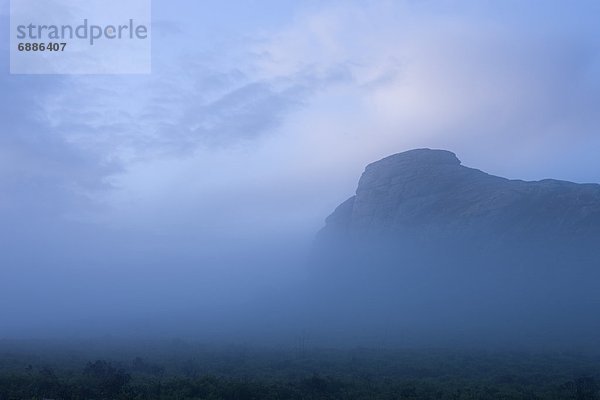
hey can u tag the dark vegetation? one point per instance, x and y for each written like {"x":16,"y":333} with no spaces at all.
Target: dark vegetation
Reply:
{"x":183,"y":371}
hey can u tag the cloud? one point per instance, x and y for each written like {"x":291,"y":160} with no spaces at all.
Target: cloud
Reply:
{"x":40,"y":173}
{"x":248,"y":131}
{"x":303,"y":106}
{"x":492,"y":83}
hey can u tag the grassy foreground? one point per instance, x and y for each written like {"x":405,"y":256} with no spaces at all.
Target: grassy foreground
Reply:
{"x":183,"y":371}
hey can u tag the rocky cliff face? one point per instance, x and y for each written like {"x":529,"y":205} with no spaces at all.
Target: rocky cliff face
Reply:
{"x":431,"y":247}
{"x":429,"y":193}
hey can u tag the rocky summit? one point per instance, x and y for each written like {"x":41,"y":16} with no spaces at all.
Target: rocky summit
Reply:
{"x":428,"y":192}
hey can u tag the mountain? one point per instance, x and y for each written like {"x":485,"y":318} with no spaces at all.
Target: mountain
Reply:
{"x":429,"y":193}
{"x":435,"y":252}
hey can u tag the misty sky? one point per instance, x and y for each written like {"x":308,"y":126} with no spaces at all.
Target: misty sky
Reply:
{"x":259,"y":117}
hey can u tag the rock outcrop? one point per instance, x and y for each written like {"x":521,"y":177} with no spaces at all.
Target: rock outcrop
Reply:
{"x":431,"y":247}
{"x":428,"y":193}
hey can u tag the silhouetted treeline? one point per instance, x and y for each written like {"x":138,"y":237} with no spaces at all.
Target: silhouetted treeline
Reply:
{"x":312,"y":374}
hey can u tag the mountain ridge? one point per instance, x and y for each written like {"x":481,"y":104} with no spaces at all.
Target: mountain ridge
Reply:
{"x":428,"y":188}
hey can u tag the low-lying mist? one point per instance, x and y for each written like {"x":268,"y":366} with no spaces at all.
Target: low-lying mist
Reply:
{"x":275,"y":292}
